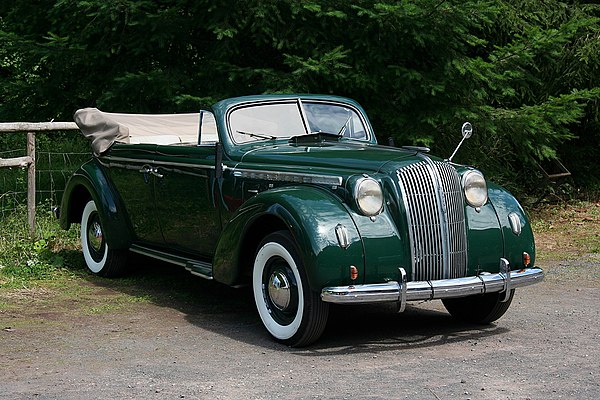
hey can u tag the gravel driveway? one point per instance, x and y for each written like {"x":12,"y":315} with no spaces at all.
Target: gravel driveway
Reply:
{"x":211,"y":345}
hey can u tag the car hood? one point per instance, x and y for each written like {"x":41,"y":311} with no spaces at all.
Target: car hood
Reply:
{"x":350,"y":157}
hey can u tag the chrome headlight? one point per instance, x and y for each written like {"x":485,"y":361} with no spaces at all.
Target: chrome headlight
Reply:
{"x":369,"y":196}
{"x":475,"y":188}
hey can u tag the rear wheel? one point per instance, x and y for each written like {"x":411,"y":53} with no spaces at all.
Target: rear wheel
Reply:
{"x":480,"y":309}
{"x":291,"y":312}
{"x":99,"y":257}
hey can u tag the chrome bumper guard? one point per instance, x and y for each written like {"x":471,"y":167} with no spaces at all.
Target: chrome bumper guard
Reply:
{"x":400,"y":292}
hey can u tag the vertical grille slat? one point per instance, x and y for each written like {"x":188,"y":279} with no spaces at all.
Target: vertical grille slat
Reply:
{"x":434,"y":205}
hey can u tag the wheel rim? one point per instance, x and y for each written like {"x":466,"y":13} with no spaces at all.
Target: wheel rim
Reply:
{"x":280,"y":291}
{"x":93,"y":243}
{"x":95,"y":237}
{"x":277,"y":290}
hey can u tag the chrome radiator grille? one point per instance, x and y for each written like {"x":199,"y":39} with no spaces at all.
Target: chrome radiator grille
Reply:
{"x":433,"y":199}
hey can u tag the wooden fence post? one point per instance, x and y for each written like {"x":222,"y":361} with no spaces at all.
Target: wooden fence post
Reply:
{"x":31,"y":183}
{"x":29,"y":160}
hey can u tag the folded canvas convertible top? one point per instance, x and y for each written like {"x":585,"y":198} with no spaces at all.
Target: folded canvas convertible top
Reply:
{"x":103,"y":128}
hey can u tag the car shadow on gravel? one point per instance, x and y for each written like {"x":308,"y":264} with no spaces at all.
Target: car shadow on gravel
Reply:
{"x":376,"y":328}
{"x":231,"y":312}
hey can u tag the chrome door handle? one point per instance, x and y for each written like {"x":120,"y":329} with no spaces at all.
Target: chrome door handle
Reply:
{"x":154,"y":171}
{"x":146,"y":169}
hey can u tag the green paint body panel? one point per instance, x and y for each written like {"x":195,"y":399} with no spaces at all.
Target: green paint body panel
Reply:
{"x":514,"y":246}
{"x":192,"y":208}
{"x":485,"y":243}
{"x":90,"y":182}
{"x":311,"y":214}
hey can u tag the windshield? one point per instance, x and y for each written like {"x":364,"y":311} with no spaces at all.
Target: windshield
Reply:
{"x":294,"y":118}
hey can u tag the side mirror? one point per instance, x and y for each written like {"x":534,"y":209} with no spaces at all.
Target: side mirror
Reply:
{"x":467,"y":132}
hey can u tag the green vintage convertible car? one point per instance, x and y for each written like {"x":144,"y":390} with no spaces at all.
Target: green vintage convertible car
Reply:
{"x":292,"y":195}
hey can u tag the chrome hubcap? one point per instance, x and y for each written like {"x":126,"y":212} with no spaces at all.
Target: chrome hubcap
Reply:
{"x":279,"y":290}
{"x":95,"y":236}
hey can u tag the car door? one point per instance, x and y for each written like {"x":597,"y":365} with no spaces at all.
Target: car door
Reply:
{"x":131,"y":171}
{"x":186,"y":196}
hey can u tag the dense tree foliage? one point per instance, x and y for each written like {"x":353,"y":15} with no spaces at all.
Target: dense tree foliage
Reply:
{"x":524,"y":72}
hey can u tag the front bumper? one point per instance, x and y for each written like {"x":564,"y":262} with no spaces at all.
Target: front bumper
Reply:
{"x":403,"y":291}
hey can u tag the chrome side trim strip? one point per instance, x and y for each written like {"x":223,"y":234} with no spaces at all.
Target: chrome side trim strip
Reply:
{"x":126,"y":159}
{"x":112,"y":159}
{"x":428,"y":290}
{"x":287,"y":176}
{"x":176,"y":164}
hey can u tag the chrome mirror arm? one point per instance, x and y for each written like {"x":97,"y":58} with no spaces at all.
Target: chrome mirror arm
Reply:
{"x":467,"y":131}
{"x":455,"y":150}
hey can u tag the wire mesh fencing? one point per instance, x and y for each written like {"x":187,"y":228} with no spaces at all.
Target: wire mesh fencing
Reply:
{"x":57,"y":156}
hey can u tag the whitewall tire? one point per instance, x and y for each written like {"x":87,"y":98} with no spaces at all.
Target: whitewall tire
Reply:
{"x":99,"y":257}
{"x":289,"y":310}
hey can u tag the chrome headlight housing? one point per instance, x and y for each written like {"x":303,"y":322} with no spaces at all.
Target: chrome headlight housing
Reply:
{"x":475,"y":188}
{"x":369,"y":196}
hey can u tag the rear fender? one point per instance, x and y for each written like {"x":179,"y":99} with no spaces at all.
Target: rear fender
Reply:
{"x":90,"y":182}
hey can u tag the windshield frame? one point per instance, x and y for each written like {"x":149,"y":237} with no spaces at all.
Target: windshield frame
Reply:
{"x":298,"y":102}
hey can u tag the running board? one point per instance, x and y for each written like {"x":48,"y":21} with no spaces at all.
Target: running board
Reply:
{"x":199,"y":268}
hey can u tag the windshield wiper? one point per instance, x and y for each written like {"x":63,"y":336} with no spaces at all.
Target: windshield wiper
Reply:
{"x":344,"y":127}
{"x":257,"y":135}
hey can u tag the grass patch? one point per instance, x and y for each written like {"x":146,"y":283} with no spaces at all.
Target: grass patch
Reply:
{"x":25,"y":261}
{"x":567,"y":231}
{"x":568,"y":242}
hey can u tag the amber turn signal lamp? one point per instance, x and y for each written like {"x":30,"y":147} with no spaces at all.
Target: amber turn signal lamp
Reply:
{"x":526,"y":259}
{"x":353,"y":272}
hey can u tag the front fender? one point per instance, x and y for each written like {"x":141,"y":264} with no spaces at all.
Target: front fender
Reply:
{"x":90,"y":182}
{"x":311,"y":215}
{"x":514,"y":245}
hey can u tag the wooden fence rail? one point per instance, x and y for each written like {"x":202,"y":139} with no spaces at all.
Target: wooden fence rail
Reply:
{"x":29,"y":160}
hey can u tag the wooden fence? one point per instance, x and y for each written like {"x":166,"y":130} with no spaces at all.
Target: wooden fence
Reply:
{"x":28,"y":161}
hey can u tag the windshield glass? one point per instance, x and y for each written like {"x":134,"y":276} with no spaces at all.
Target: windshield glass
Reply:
{"x":294,"y":118}
{"x":208,"y":128}
{"x":335,"y":119}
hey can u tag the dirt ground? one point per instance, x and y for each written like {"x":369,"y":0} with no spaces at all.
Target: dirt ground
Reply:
{"x":174,"y":336}
{"x":212,"y":346}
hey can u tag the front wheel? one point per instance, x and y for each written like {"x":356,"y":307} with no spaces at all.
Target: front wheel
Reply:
{"x":99,"y":257}
{"x":291,"y":312}
{"x":480,"y":309}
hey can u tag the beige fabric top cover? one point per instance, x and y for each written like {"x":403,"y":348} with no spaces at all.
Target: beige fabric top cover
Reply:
{"x":103,"y":129}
